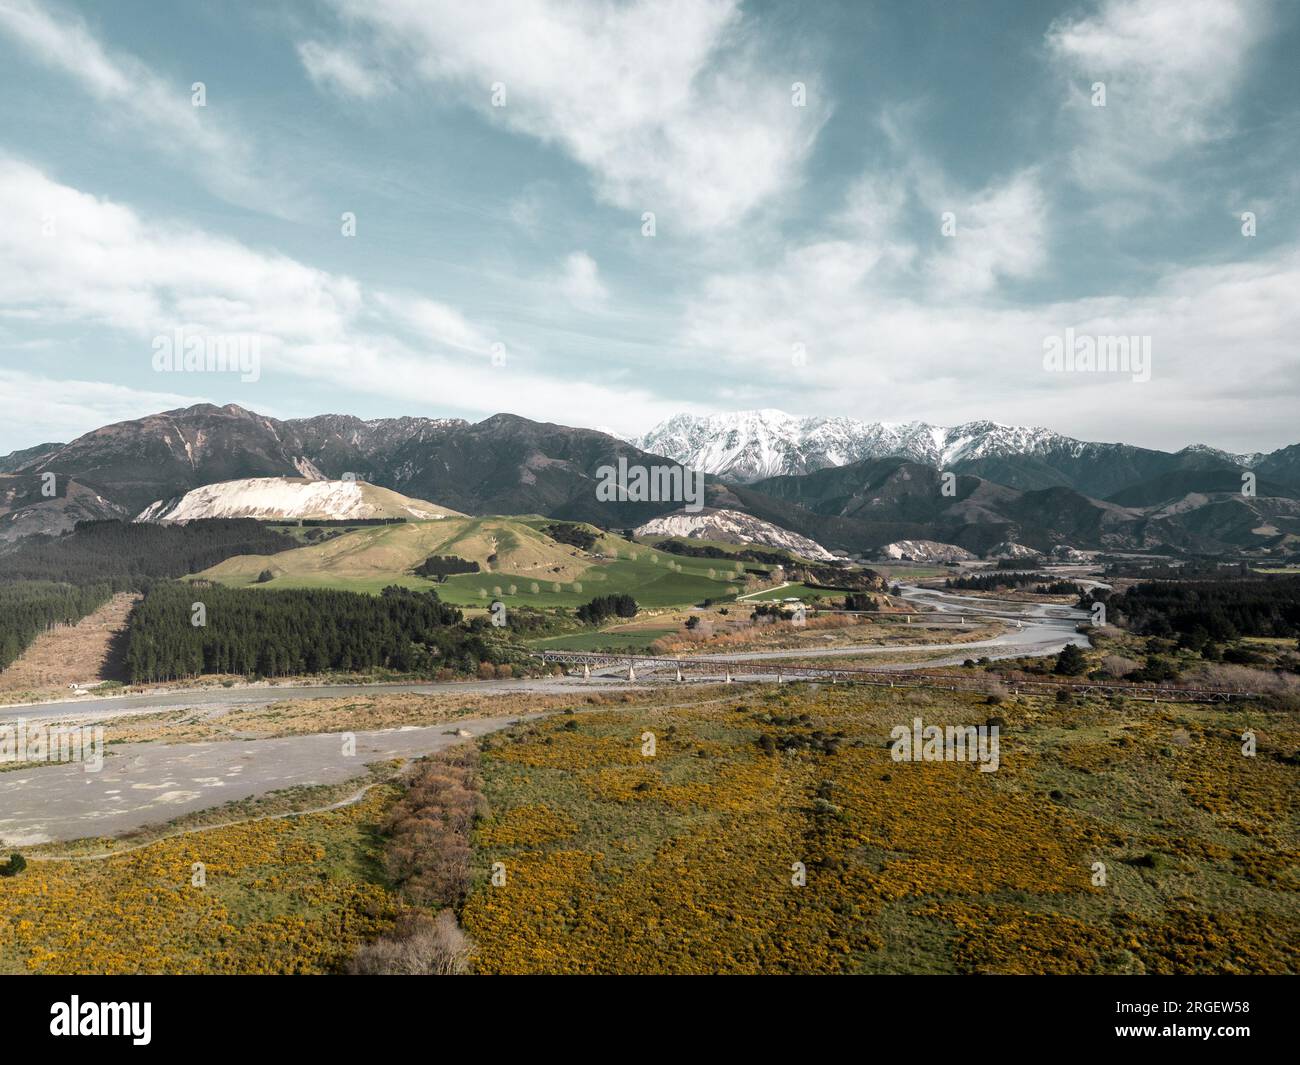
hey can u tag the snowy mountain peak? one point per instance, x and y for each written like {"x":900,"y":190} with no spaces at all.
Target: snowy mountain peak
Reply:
{"x":751,"y":445}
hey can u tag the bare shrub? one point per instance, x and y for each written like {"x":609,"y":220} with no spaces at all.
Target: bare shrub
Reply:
{"x":419,"y":945}
{"x":1226,"y":675}
{"x":997,"y":692}
{"x":428,"y":851}
{"x":1118,"y":665}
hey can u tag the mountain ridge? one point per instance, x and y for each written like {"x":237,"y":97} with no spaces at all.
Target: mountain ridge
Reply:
{"x":749,"y":446}
{"x":1032,"y":486}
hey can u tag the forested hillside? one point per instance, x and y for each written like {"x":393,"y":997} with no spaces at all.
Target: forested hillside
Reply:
{"x":276,"y":633}
{"x":128,"y":555}
{"x":1225,"y":609}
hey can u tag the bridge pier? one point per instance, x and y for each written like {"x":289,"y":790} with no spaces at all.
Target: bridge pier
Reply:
{"x":586,"y":671}
{"x":679,"y":672}
{"x":631,"y":672}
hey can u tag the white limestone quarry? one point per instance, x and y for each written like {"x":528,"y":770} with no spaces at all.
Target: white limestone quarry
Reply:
{"x":1008,"y":549}
{"x":924,"y":551}
{"x":733,"y":527}
{"x":289,"y":498}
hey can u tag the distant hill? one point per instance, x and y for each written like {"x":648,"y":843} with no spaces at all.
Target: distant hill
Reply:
{"x":519,"y":562}
{"x":26,"y":509}
{"x":386,"y":552}
{"x":866,"y":505}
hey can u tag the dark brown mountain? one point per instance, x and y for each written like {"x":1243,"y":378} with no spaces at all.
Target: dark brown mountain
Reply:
{"x":511,"y":465}
{"x":862,"y":506}
{"x":504,"y":464}
{"x":25,"y":508}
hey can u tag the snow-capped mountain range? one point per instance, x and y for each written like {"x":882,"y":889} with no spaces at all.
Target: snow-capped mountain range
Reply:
{"x":751,"y":445}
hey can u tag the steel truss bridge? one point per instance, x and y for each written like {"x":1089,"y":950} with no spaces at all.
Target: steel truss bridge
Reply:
{"x":727,"y":670}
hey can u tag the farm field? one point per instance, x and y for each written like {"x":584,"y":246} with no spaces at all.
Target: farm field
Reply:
{"x":791,"y":591}
{"x":722,"y":545}
{"x":652,"y":584}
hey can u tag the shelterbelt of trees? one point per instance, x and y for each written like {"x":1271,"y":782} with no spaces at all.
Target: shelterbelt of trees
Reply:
{"x":253,"y":631}
{"x":991,"y":582}
{"x":129,"y":555}
{"x":1224,"y":609}
{"x":604,"y":607}
{"x":28,"y":608}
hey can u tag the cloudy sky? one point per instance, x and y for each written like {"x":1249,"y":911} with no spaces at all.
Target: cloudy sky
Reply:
{"x":604,"y":213}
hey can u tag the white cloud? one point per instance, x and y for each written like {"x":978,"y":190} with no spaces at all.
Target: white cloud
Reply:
{"x":580,"y":280}
{"x":1224,"y":369}
{"x":338,"y":70}
{"x":1170,"y":68}
{"x":666,"y":103}
{"x":998,"y":234}
{"x":434,"y":323}
{"x":130,"y":92}
{"x":105,"y":265}
{"x":874,"y":205}
{"x":33,"y":406}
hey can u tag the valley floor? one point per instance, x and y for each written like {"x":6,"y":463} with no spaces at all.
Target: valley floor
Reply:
{"x":768,"y":831}
{"x":632,"y":827}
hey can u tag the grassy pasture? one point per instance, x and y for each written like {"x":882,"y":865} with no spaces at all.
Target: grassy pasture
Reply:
{"x":367,"y":559}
